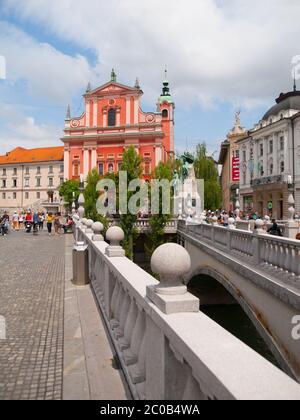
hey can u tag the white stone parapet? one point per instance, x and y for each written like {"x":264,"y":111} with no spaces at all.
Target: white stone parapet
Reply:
{"x":270,"y":253}
{"x":180,"y":356}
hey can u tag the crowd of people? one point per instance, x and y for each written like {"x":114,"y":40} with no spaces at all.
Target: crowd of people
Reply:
{"x":22,"y":220}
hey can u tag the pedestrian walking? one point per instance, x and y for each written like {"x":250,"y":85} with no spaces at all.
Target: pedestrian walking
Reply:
{"x":15,"y":221}
{"x":49,"y":220}
{"x":275,"y":229}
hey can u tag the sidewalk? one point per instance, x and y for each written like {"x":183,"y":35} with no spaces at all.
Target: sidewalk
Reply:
{"x":91,"y":370}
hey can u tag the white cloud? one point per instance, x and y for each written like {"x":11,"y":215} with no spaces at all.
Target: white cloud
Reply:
{"x":47,"y":72}
{"x":235,"y":50}
{"x":22,"y":130}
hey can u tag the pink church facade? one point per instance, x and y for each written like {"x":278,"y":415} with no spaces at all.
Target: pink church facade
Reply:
{"x":112,"y":121}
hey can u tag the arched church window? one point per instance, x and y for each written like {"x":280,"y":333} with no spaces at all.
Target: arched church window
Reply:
{"x":111,"y":117}
{"x":165,"y":113}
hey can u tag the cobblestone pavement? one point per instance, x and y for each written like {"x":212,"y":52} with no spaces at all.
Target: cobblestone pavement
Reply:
{"x":32,"y":301}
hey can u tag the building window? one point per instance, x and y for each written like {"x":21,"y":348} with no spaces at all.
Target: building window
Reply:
{"x":111,"y":168}
{"x":3,"y":196}
{"x":76,"y":169}
{"x":61,"y":180}
{"x":271,"y":168}
{"x":120,"y":166}
{"x":165,"y":113}
{"x":281,"y":143}
{"x":101,"y":169}
{"x":38,"y":170}
{"x":27,"y":182}
{"x":261,"y":169}
{"x":282,"y":167}
{"x":27,"y":170}
{"x":3,"y":183}
{"x":4,"y":172}
{"x":15,"y":172}
{"x":147,"y":168}
{"x":261,"y":148}
{"x":111,"y":117}
{"x":50,"y":169}
{"x":244,"y":156}
{"x":271,"y":146}
{"x":14,"y":196}
{"x":50,"y":182}
{"x":61,"y":169}
{"x":26,"y":196}
{"x":15,"y":183}
{"x":38,"y":182}
{"x":38,"y":195}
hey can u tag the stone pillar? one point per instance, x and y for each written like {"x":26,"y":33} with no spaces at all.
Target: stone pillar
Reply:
{"x":95,"y":115}
{"x":66,"y":163}
{"x":85,"y":162}
{"x":171,"y":262}
{"x":87,"y":113}
{"x":136,"y":110}
{"x":94,"y":157}
{"x":128,"y":108}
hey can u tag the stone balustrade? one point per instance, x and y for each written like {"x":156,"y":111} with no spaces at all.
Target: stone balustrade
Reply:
{"x":143,"y":225}
{"x":276,"y":255}
{"x":167,"y":348}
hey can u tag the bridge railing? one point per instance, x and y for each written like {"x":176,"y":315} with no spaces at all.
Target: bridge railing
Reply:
{"x":281,"y":255}
{"x":177,"y":353}
{"x":143,"y":225}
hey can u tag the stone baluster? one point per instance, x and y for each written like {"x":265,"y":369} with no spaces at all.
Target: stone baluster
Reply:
{"x":124,"y":308}
{"x":115,"y":235}
{"x":115,"y":321}
{"x":97,"y":228}
{"x":131,"y":354}
{"x":125,"y":341}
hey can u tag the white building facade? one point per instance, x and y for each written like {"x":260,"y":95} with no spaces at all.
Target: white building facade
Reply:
{"x":270,"y":160}
{"x":31,"y":179}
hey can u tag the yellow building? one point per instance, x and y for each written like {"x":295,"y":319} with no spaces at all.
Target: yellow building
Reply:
{"x":230,"y":161}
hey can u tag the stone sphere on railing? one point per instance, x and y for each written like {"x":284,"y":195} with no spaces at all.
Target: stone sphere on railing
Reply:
{"x":259,"y":223}
{"x":171,"y":262}
{"x":231,"y":223}
{"x":89,"y":223}
{"x":97,"y":229}
{"x":115,"y":235}
{"x":84,"y":220}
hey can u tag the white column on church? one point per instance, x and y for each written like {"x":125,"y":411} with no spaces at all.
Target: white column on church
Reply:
{"x":158,"y":155}
{"x":86,"y":162}
{"x":94,"y":158}
{"x":104,"y":118}
{"x":66,"y":163}
{"x":95,"y":116}
{"x":87,"y":113}
{"x":118,"y":118}
{"x":128,"y":107}
{"x":136,"y":110}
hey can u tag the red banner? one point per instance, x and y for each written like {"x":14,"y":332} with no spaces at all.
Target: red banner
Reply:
{"x":235,"y":169}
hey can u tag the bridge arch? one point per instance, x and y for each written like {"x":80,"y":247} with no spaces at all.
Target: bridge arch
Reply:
{"x":255,"y":317}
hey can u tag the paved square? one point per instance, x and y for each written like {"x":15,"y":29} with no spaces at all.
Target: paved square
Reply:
{"x":32,"y":302}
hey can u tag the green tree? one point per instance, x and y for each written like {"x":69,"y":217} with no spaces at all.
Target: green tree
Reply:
{"x":205,"y":168}
{"x":158,"y":222}
{"x":91,"y":196}
{"x":66,"y":191}
{"x":132,"y":164}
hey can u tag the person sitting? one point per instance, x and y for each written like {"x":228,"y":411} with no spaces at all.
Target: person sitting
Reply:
{"x":275,"y":229}
{"x":68,"y":227}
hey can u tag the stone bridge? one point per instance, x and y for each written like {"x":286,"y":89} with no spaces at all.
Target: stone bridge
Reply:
{"x":167,"y":348}
{"x":261,"y":272}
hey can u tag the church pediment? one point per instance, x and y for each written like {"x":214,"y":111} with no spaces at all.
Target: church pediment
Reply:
{"x":113,"y":88}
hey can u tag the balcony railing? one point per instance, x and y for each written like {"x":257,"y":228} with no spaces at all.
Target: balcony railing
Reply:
{"x":267,"y":180}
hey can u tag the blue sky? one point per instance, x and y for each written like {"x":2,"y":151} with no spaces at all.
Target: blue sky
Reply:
{"x":221,"y":56}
